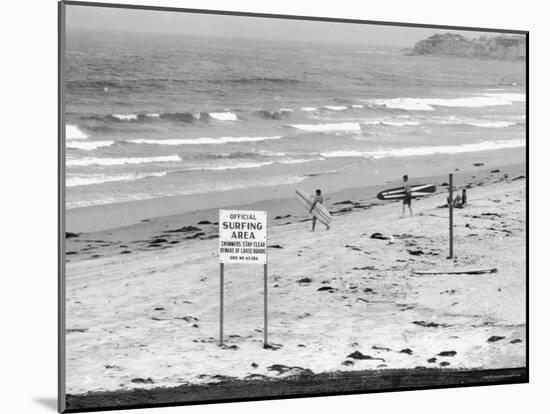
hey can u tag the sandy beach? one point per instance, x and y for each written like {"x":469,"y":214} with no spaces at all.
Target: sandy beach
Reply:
{"x":143,"y":300}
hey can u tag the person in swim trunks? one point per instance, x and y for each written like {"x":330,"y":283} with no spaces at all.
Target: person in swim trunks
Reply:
{"x":408,"y":195}
{"x":317,"y":199}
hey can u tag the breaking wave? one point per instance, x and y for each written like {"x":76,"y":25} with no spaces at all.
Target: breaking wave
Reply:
{"x":200,"y":141}
{"x":298,"y":160}
{"x":211,"y":187}
{"x":174,"y":116}
{"x":223,"y":116}
{"x":234,"y":166}
{"x":72,"y":132}
{"x":427,"y":104}
{"x":335,"y":107}
{"x":400,"y":123}
{"x":341,"y":126}
{"x":278,"y":114}
{"x":91,"y":179}
{"x":88,"y":145}
{"x":81,"y":162}
{"x":428,"y":150}
{"x":492,"y":124}
{"x":187,"y":117}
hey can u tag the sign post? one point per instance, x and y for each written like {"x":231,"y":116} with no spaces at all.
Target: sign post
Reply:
{"x":221,"y":304}
{"x":450,"y":216}
{"x":265,"y":305}
{"x":243,"y":240}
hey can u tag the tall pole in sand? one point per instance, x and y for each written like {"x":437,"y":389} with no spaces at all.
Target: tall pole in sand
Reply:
{"x":265,"y":305}
{"x":450,"y":216}
{"x":221,"y":304}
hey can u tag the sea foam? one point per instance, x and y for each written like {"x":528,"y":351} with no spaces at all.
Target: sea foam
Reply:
{"x":234,"y":166}
{"x":334,"y":107}
{"x":201,"y":141}
{"x":88,"y":145}
{"x":80,"y":162}
{"x":223,"y":116}
{"x":492,"y":124}
{"x":82,"y":180}
{"x":125,"y":117}
{"x":427,"y":104}
{"x":509,"y":96}
{"x":400,"y":123}
{"x":298,"y":160}
{"x":341,"y":126}
{"x":428,"y":150}
{"x":209,"y":188}
{"x":72,"y":132}
{"x":408,"y":104}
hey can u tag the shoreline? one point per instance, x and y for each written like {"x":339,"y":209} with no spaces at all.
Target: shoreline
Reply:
{"x":379,"y":174}
{"x":202,"y":225}
{"x":301,"y":386}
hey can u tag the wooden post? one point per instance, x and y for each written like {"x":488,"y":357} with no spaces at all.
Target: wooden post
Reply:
{"x":221,"y":304}
{"x":265,"y":305}
{"x":451,"y":201}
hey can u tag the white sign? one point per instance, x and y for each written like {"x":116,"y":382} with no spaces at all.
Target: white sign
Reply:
{"x":243,"y":236}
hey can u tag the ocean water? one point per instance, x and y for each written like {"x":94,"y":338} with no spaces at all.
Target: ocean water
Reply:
{"x":152,"y":116}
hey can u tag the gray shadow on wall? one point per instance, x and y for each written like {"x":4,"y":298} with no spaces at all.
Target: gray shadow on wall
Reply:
{"x":47,"y":402}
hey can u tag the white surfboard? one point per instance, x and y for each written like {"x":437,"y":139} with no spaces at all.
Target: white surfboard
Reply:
{"x":319,"y":211}
{"x":399,"y":192}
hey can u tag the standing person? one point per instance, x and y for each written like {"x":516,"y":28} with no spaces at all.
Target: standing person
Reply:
{"x":317,"y":199}
{"x":408,"y":195}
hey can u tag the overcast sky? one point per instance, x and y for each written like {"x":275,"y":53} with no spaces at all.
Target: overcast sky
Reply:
{"x":153,"y":21}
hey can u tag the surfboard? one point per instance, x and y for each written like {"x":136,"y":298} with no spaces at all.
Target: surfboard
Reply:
{"x":468,"y":271}
{"x":398,"y":193}
{"x":319,"y":211}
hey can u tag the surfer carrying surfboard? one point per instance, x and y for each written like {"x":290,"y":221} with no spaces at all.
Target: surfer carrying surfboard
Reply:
{"x":314,"y":206}
{"x":408,"y":195}
{"x":318,"y":199}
